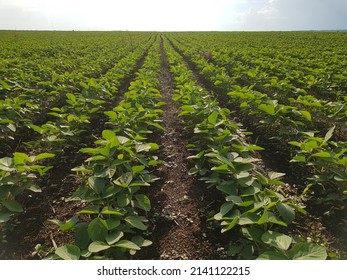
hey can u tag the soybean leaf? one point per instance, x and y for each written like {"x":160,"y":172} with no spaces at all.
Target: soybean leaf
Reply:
{"x":229,"y":225}
{"x":275,"y":175}
{"x":97,"y":184}
{"x":212,"y":118}
{"x":81,"y":235}
{"x":137,"y":168}
{"x":127,"y":245}
{"x":114,"y":237}
{"x":97,"y":229}
{"x":226,"y":207}
{"x":140,"y":241}
{"x":322,"y":155}
{"x":328,"y":135}
{"x":277,"y":239}
{"x":98,"y":246}
{"x":43,"y":156}
{"x":5,"y":215}
{"x":143,"y":202}
{"x":287,"y":213}
{"x":273,"y":255}
{"x":68,"y":252}
{"x":108,"y":134}
{"x":90,"y":210}
{"x":136,"y":222}
{"x":306,"y":115}
{"x":12,"y":205}
{"x":267,"y":108}
{"x":308,"y":251}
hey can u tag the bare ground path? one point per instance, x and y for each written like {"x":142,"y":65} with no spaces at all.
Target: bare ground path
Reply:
{"x":178,"y":231}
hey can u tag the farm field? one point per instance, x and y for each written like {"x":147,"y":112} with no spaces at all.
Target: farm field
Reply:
{"x":173,"y":145}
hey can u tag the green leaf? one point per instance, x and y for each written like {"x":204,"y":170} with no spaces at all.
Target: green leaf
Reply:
{"x":108,"y":134}
{"x":275,"y":175}
{"x":111,"y":211}
{"x":273,"y":255}
{"x":295,"y":143}
{"x":309,"y":146}
{"x":21,"y":158}
{"x":248,"y":218}
{"x":68,"y":252}
{"x":322,"y":155}
{"x":5,"y":215}
{"x":68,"y":225}
{"x":267,"y":108}
{"x":98,"y":246}
{"x":287,"y":213}
{"x":328,"y":135}
{"x":12,"y":205}
{"x":298,"y":158}
{"x":126,"y":244}
{"x":137,"y":168}
{"x":90,"y":210}
{"x":227,"y":225}
{"x":97,"y":184}
{"x":112,"y":223}
{"x":254,"y":148}
{"x":136,"y":222}
{"x":253,"y":233}
{"x":123,"y":199}
{"x":226,"y":207}
{"x":264,"y":218}
{"x":306,"y":115}
{"x":187,"y":108}
{"x":143,"y":202}
{"x":43,"y":156}
{"x":6,"y":161}
{"x":97,"y":229}
{"x":234,"y":198}
{"x":82,"y":239}
{"x":223,"y":167}
{"x":114,"y":237}
{"x":212,"y":119}
{"x":142,"y":148}
{"x":277,"y":239}
{"x":140,"y":241}
{"x":308,"y":251}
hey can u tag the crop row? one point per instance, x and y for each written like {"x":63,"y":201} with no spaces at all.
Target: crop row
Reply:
{"x":255,"y":204}
{"x":120,"y":164}
{"x":65,"y":127}
{"x":289,"y":127}
{"x":29,"y":87}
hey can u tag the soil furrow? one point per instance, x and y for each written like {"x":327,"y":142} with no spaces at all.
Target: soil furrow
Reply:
{"x":177,"y":229}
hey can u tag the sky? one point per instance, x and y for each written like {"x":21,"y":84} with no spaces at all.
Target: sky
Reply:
{"x":173,"y":15}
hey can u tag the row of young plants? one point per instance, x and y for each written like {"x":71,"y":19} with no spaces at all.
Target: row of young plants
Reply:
{"x":227,"y":73}
{"x":290,"y":127}
{"x":314,"y":66}
{"x":82,"y":107}
{"x":113,"y":221}
{"x":30,"y":86}
{"x":68,"y":124}
{"x":256,"y":206}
